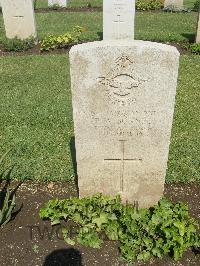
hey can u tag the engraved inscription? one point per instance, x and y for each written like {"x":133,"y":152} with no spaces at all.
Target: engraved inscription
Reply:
{"x":122,"y":80}
{"x":118,"y":19}
{"x":126,"y":125}
{"x":121,"y":84}
{"x":122,"y":161}
{"x":119,"y":9}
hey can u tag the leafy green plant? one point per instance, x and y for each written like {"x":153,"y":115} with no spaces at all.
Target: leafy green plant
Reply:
{"x":7,"y":198}
{"x":61,"y":41}
{"x":35,"y":248}
{"x":148,"y":4}
{"x":17,"y":45}
{"x":195,"y":48}
{"x":166,"y":228}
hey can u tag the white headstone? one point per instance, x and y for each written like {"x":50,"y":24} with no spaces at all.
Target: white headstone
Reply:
{"x":123,"y":101}
{"x":19,"y":18}
{"x":60,"y":3}
{"x":198,"y":31}
{"x":176,"y":4}
{"x":118,"y":19}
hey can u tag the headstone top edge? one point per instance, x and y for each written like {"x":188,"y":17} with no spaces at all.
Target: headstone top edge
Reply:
{"x":125,"y":43}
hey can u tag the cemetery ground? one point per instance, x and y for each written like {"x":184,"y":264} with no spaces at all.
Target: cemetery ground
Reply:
{"x":36,"y":123}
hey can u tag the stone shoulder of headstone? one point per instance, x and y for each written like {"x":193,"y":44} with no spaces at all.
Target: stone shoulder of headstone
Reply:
{"x":123,"y":95}
{"x":125,"y":43}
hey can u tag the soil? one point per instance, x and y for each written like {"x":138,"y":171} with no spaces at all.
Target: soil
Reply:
{"x":69,"y":9}
{"x":86,"y":9}
{"x":36,"y":50}
{"x":25,"y":241}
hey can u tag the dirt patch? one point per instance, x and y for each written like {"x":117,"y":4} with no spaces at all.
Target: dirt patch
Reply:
{"x":36,"y":50}
{"x":27,"y":240}
{"x":69,"y":9}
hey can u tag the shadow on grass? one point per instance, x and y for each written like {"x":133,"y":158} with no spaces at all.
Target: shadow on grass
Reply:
{"x":73,"y":156}
{"x":100,"y":35}
{"x":64,"y":257}
{"x":189,"y":37}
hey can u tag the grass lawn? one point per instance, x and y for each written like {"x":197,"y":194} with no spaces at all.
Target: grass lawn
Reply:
{"x":36,"y":118}
{"x":149,"y":26}
{"x":72,"y":3}
{"x":36,"y":115}
{"x":94,"y":3}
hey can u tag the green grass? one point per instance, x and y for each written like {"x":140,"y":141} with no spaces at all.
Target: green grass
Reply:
{"x":184,"y":164}
{"x":72,"y":3}
{"x":149,"y":26}
{"x":189,"y":3}
{"x":36,"y":111}
{"x":94,"y":3}
{"x":36,"y":118}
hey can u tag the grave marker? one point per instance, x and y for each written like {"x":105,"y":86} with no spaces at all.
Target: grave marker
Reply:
{"x":123,"y":94}
{"x":118,"y":19}
{"x":19,"y":19}
{"x":60,"y":3}
{"x":176,"y":4}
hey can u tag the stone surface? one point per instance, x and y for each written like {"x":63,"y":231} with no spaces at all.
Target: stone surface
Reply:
{"x":198,"y":31}
{"x":19,"y":18}
{"x":177,"y":4}
{"x":123,"y":101}
{"x":61,"y":3}
{"x":118,"y":19}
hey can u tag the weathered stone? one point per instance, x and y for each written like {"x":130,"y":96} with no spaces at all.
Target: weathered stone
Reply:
{"x":123,"y":102}
{"x":118,"y":19}
{"x":176,"y":4}
{"x":198,"y":31}
{"x":19,"y":19}
{"x":61,"y":3}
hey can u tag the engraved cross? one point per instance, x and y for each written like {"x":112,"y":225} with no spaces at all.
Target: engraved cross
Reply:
{"x":122,"y":161}
{"x":118,"y":19}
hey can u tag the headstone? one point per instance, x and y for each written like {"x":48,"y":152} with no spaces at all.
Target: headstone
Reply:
{"x":60,"y":3}
{"x":19,"y":18}
{"x":118,"y":19}
{"x":175,"y":4}
{"x":123,"y":94}
{"x":198,"y":31}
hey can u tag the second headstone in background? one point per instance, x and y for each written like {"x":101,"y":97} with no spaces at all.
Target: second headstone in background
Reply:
{"x":60,"y":3}
{"x":19,"y":18}
{"x":118,"y":19}
{"x":174,"y":4}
